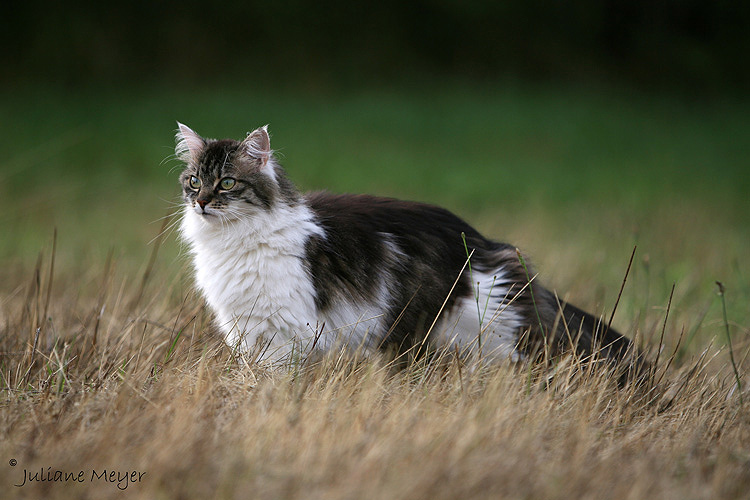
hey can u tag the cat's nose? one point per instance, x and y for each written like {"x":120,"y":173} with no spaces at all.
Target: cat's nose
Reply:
{"x":202,"y":202}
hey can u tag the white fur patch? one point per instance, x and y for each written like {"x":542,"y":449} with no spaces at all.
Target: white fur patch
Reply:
{"x":483,"y":324}
{"x":358,"y":327}
{"x":252,"y":274}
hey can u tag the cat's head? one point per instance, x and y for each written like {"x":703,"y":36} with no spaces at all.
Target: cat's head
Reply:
{"x":226,"y":179}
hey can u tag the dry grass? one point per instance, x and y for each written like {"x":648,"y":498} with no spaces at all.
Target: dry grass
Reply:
{"x":114,"y":372}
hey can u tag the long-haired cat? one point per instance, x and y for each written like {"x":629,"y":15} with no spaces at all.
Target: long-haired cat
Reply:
{"x":313,"y":271}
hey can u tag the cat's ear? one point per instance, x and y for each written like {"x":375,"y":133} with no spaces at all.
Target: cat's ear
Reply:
{"x":257,"y":145}
{"x":189,"y":144}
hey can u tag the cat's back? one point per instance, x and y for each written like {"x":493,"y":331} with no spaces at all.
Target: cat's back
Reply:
{"x":360,"y":212}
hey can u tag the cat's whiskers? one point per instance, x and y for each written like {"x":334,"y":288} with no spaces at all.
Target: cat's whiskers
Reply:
{"x":224,"y":218}
{"x":176,"y":203}
{"x":226,"y":215}
{"x":177,"y":207}
{"x":173,"y":222}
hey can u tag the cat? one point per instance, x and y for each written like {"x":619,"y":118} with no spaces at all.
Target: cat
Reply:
{"x":296,"y":272}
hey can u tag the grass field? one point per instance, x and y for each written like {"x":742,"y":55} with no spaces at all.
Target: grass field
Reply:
{"x":109,"y":361}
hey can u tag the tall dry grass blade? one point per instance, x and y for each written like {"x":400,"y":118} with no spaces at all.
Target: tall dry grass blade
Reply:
{"x":150,"y":266}
{"x":729,"y":340}
{"x":476,"y":295}
{"x":577,"y":359}
{"x":661,"y":337}
{"x":536,"y":309}
{"x":673,"y":356}
{"x":694,"y":330}
{"x":619,"y":294}
{"x":440,"y":311}
{"x":25,"y":378}
{"x":106,"y":278}
{"x":30,"y":308}
{"x":50,"y":276}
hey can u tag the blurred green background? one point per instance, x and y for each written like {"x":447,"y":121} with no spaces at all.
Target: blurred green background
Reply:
{"x":573,"y":129}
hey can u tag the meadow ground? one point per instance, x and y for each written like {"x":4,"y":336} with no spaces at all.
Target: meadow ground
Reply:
{"x":109,"y":361}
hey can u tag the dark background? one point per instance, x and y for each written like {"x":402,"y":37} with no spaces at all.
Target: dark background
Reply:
{"x":686,"y":45}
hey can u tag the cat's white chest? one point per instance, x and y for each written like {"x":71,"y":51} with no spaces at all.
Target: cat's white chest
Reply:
{"x":253,"y":275}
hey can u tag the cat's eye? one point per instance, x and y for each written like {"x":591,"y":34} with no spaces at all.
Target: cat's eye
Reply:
{"x":227,"y":183}
{"x":195,"y":182}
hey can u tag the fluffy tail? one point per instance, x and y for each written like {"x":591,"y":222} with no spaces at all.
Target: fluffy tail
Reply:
{"x":591,"y":336}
